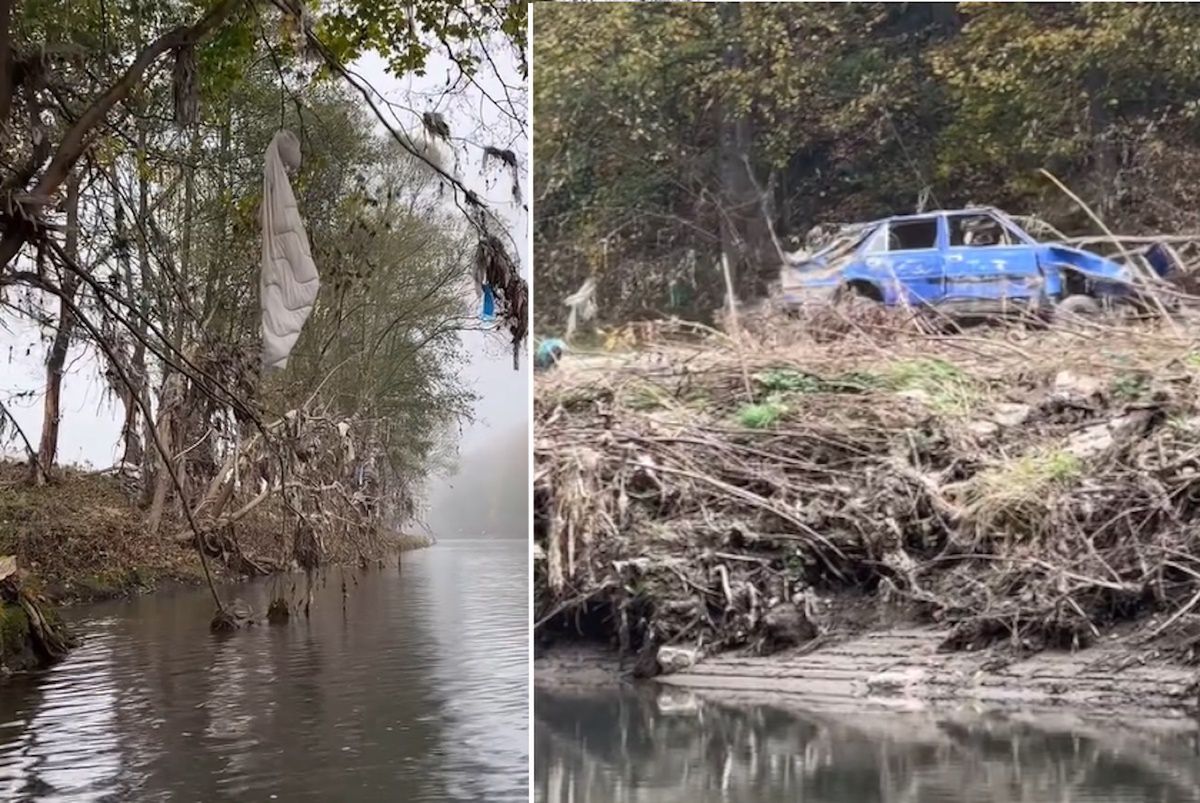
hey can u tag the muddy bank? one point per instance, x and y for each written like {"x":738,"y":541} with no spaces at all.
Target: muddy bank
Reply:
{"x":906,"y":670}
{"x":580,"y":664}
{"x":1020,"y":495}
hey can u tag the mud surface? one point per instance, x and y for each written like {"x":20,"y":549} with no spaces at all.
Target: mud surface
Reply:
{"x":904,"y":669}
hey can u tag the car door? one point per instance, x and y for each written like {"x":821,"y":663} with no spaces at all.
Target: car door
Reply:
{"x":988,"y":261}
{"x":905,"y":262}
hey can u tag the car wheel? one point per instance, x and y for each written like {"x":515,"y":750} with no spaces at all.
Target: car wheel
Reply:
{"x":852,"y":300}
{"x":1078,"y":306}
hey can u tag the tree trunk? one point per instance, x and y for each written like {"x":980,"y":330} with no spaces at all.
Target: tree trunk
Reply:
{"x":1105,"y":166}
{"x":7,"y":76}
{"x":195,"y":450}
{"x":135,"y":369}
{"x":169,"y":409}
{"x":745,"y":235}
{"x":213,"y":265}
{"x":48,"y":447}
{"x":154,"y":476}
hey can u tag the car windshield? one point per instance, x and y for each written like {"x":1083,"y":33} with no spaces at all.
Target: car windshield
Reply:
{"x":843,"y":244}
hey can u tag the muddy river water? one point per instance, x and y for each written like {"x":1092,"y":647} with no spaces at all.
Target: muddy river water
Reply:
{"x":410,"y":685}
{"x":629,"y":745}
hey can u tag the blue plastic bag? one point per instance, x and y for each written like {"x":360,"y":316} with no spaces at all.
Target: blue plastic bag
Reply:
{"x":489,"y":303}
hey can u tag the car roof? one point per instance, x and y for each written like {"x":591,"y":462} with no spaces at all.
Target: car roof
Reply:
{"x":970,"y":210}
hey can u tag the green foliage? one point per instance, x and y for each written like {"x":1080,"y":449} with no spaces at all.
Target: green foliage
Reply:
{"x":394,"y":285}
{"x":761,"y":416}
{"x":1063,"y":85}
{"x":408,"y":31}
{"x":174,"y":213}
{"x":942,"y":385}
{"x":1129,"y":386}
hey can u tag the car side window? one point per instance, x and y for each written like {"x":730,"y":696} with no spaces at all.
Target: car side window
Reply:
{"x":978,"y":231}
{"x":903,"y":235}
{"x":877,"y":242}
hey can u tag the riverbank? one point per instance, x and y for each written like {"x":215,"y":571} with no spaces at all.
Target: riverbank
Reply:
{"x":1015,"y":497}
{"x":84,"y":539}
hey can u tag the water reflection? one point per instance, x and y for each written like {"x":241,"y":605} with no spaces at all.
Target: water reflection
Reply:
{"x":631,"y":745}
{"x":403,"y":688}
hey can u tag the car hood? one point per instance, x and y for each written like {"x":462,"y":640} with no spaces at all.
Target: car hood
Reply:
{"x":1087,"y":263}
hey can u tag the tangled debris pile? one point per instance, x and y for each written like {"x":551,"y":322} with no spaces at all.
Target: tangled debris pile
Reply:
{"x":1038,"y":488}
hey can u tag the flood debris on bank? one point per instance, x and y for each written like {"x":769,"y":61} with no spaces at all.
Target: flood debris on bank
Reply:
{"x":1031,"y":489}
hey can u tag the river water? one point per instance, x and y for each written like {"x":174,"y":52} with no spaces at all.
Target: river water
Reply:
{"x":412,"y":684}
{"x":629,"y":745}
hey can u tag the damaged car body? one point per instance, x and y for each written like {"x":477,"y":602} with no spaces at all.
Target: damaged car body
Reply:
{"x":969,"y":261}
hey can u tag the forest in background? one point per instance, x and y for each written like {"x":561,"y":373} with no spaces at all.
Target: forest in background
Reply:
{"x":133,"y":136}
{"x":666,"y":134}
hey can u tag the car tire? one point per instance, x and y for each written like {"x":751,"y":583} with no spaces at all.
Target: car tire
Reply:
{"x":1078,"y":306}
{"x":851,"y":298}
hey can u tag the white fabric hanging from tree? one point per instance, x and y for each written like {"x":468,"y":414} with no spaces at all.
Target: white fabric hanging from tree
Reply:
{"x":289,"y":282}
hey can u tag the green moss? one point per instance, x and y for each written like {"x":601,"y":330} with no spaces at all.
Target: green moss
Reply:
{"x":14,"y":627}
{"x":16,"y":645}
{"x":111,"y":583}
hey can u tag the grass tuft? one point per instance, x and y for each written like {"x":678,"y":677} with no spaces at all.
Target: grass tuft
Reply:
{"x":761,"y":416}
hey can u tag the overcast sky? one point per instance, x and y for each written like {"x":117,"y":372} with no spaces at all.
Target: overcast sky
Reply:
{"x":90,"y":427}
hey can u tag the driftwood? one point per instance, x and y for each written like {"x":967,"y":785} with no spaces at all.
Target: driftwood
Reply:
{"x":1017,"y":486}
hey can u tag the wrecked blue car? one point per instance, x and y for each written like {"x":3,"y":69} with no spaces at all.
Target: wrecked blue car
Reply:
{"x":970,"y":261}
